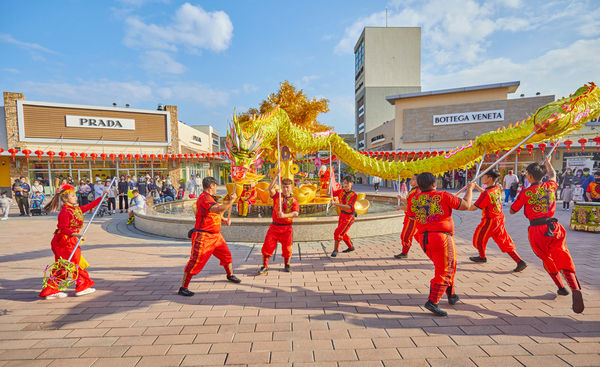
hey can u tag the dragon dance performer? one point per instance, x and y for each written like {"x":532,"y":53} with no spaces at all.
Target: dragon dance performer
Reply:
{"x":247,"y":198}
{"x":206,"y":236}
{"x":280,"y":229}
{"x":409,"y":228}
{"x":492,"y":222}
{"x":546,"y":236}
{"x":435,"y":228}
{"x":345,"y":199}
{"x":66,"y":235}
{"x":324,"y":178}
{"x":593,"y":189}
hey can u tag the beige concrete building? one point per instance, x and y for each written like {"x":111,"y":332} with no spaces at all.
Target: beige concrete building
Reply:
{"x":387,"y":61}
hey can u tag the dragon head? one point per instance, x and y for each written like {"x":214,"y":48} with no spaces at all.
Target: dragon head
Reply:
{"x":242,"y":151}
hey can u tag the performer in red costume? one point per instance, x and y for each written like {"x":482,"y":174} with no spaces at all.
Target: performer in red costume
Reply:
{"x":345,"y":199}
{"x":324,"y":178}
{"x":492,"y":223}
{"x":247,"y":198}
{"x":66,"y":235}
{"x":280,"y":229}
{"x":409,"y":228}
{"x":435,"y":228}
{"x":206,"y":236}
{"x":546,"y":236}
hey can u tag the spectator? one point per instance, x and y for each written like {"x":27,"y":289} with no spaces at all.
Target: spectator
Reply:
{"x":4,"y":205}
{"x":181,"y":191}
{"x":98,"y":189}
{"x":112,"y":197}
{"x":21,"y":191}
{"x":168,"y":192}
{"x":577,"y":180}
{"x":123,"y":187}
{"x":137,"y":205}
{"x":567,"y":196}
{"x":198,"y":180}
{"x":83,"y":191}
{"x":190,"y":185}
{"x":37,"y":187}
{"x":142,"y":186}
{"x":592,"y":193}
{"x":587,"y":179}
{"x":376,"y":183}
{"x":510,"y":180}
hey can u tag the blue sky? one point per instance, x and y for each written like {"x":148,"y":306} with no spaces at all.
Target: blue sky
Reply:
{"x":209,"y":57}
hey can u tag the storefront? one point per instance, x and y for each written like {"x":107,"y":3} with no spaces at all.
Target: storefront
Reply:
{"x":52,"y":141}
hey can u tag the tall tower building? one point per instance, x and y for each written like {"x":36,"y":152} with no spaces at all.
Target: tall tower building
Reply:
{"x":387,"y":61}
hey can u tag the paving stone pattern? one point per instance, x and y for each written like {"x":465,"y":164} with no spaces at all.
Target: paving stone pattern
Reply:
{"x":359,"y":309}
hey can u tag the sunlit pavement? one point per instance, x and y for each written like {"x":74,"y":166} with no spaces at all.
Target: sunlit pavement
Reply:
{"x":363,"y":308}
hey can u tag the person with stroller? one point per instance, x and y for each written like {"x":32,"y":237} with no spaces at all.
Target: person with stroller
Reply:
{"x":37,"y":200}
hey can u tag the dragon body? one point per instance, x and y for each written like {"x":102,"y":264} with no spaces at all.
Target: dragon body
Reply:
{"x":247,"y":141}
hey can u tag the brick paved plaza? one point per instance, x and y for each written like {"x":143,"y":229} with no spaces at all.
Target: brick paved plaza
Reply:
{"x":360,"y":309}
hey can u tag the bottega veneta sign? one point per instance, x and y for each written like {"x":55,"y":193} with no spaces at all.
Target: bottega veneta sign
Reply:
{"x":468,"y":117}
{"x":100,"y":122}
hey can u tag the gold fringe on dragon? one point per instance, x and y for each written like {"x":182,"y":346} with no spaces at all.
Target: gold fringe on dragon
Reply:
{"x":250,"y":140}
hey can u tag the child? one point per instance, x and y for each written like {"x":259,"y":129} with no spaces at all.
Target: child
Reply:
{"x":280,"y":229}
{"x":4,"y":206}
{"x":567,"y":196}
{"x":136,"y":205}
{"x":547,"y":237}
{"x":66,"y":236}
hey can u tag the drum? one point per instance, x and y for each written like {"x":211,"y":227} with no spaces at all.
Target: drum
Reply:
{"x":585,"y":217}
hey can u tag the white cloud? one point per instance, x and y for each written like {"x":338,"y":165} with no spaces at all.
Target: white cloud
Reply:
{"x":25,"y":45}
{"x":559,"y":71}
{"x":141,"y":2}
{"x":105,"y":92}
{"x":306,"y":80}
{"x":341,"y":113}
{"x":191,"y":27}
{"x":11,"y":70}
{"x":159,"y":61}
{"x":249,"y":88}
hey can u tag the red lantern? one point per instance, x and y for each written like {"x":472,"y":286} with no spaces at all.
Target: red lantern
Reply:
{"x":122,"y":157}
{"x":27,"y":152}
{"x":83,"y":155}
{"x":519,"y":151}
{"x":427,"y":153}
{"x":529,"y":148}
{"x":145,"y":156}
{"x":581,"y":141}
{"x":568,"y":144}
{"x":62,"y":155}
{"x":51,"y":155}
{"x":137,"y":157}
{"x":160,"y":157}
{"x":112,"y":157}
{"x":420,"y":155}
{"x":94,"y":156}
{"x":39,"y":154}
{"x":152,"y":157}
{"x":434,"y":153}
{"x":103,"y":156}
{"x":129,"y":157}
{"x":542,"y":146}
{"x":173,"y":157}
{"x":74,"y":156}
{"x":597,"y":141}
{"x":187,"y":156}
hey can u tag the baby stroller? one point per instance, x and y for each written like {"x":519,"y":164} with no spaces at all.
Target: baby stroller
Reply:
{"x":104,"y":208}
{"x":36,"y":204}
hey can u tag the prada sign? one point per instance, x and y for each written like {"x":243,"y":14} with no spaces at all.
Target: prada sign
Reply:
{"x":95,"y":122}
{"x":468,"y":117}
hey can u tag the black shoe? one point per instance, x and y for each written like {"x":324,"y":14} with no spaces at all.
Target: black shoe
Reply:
{"x":334,"y":253}
{"x":521,"y":265}
{"x":234,"y":279}
{"x":577,"y":301}
{"x":349,"y":249}
{"x":263,"y":270}
{"x":435,"y":309}
{"x":185,"y":292}
{"x":453,"y":299}
{"x":562,"y":291}
{"x":287,"y":269}
{"x":401,"y":256}
{"x":478,"y":259}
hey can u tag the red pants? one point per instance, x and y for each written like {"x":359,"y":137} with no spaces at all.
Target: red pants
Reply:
{"x":341,"y":232}
{"x":440,"y":249}
{"x":203,"y":246}
{"x":282,"y":234}
{"x":62,"y":246}
{"x":492,"y":228}
{"x":552,"y":250}
{"x":408,"y":233}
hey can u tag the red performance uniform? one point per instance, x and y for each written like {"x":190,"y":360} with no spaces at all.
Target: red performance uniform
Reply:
{"x":280,"y":229}
{"x":435,"y":227}
{"x":207,"y":239}
{"x":547,"y":237}
{"x":346,"y":217}
{"x":594,"y":190}
{"x":410,"y":227}
{"x":247,"y":198}
{"x":70,"y":221}
{"x":492,"y":223}
{"x":324,"y":177}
